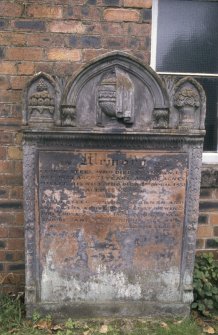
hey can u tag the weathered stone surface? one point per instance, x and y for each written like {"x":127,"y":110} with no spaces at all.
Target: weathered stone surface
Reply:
{"x":112,"y":182}
{"x":108,"y":216}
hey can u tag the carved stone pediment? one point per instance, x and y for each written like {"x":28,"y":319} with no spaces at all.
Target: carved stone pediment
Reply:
{"x":115,"y":92}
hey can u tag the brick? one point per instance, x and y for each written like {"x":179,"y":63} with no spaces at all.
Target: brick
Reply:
{"x":6,"y":166}
{"x":25,"y":68}
{"x":10,"y":111}
{"x":206,"y":193}
{"x":16,"y":232}
{"x":73,"y":41}
{"x":64,"y":54}
{"x":203,"y":219}
{"x":204,"y":231}
{"x":212,"y":243}
{"x":2,"y":257}
{"x":91,"y":54}
{"x":8,"y":68}
{"x":10,"y":204}
{"x":15,"y":244}
{"x":83,"y":13}
{"x":138,"y":3}
{"x":19,"y":218}
{"x":15,"y":267}
{"x":3,"y":232}
{"x":5,"y":137}
{"x":22,"y":53}
{"x":4,"y":193}
{"x":208,"y":206}
{"x":91,"y":42}
{"x":200,"y":244}
{"x":147,"y":43}
{"x":5,"y":110}
{"x":12,"y":38}
{"x":34,"y":25}
{"x":9,"y":256}
{"x":4,"y":82}
{"x":18,"y":138}
{"x":2,"y":152}
{"x":112,"y":28}
{"x":67,"y":27}
{"x":120,"y":15}
{"x":9,"y":290}
{"x":14,"y":152}
{"x":115,"y":42}
{"x":7,"y":218}
{"x":10,"y":180}
{"x":215,"y":231}
{"x":65,"y":68}
{"x":137,"y":29}
{"x":10,"y":96}
{"x":18,"y":82}
{"x":3,"y":23}
{"x":5,"y":278}
{"x":9,"y":123}
{"x":13,"y":278}
{"x":111,"y":2}
{"x":16,"y":193}
{"x":133,"y":43}
{"x":214,"y":219}
{"x":146,"y":15}
{"x":45,"y":67}
{"x":2,"y":244}
{"x":41,"y":11}
{"x":18,"y":167}
{"x":10,"y":9}
{"x":2,"y":52}
{"x":45,"y":40}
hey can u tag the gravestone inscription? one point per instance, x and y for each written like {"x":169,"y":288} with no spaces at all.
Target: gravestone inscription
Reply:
{"x":111,"y":185}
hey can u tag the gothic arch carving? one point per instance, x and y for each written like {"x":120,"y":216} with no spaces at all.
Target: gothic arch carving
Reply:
{"x":40,"y":100}
{"x":190,"y":101}
{"x":125,"y":62}
{"x":113,"y":69}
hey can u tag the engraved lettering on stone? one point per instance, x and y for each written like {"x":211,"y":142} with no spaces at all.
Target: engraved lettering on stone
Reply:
{"x":111,"y":197}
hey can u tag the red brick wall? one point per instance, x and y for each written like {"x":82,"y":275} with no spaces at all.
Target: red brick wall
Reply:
{"x":59,"y":36}
{"x":207,"y":234}
{"x":55,"y":36}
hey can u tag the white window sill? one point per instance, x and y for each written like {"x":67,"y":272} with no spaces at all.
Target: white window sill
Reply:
{"x":210,"y":158}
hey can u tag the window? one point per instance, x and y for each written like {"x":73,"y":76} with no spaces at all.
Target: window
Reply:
{"x":185,"y":41}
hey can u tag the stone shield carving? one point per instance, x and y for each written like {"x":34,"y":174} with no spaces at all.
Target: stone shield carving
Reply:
{"x":115,"y":96}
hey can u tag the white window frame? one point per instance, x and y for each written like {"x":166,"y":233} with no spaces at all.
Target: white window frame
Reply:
{"x":208,"y":157}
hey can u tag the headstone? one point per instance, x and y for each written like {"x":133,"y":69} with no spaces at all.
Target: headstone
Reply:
{"x":112,"y":164}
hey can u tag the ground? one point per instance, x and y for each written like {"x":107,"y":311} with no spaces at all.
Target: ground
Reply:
{"x":12,"y":321}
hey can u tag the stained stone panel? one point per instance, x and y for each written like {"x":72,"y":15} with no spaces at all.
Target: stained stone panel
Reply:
{"x":108,"y":215}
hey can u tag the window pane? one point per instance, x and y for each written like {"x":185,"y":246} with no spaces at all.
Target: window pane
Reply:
{"x":187,"y":36}
{"x":210,"y":86}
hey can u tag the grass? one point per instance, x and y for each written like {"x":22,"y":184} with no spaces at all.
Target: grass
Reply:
{"x":12,"y":321}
